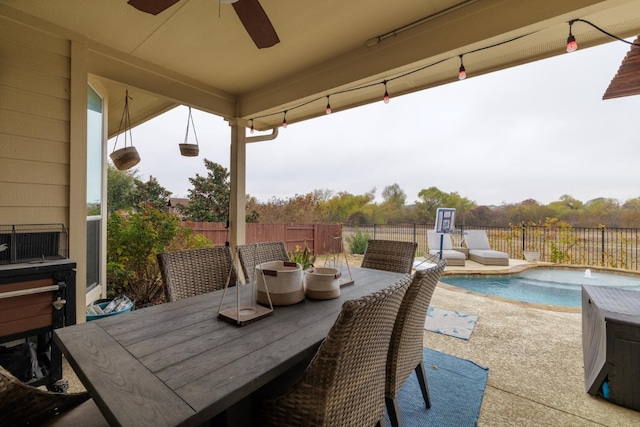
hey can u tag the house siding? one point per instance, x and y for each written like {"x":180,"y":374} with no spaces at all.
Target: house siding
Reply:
{"x":34,"y":125}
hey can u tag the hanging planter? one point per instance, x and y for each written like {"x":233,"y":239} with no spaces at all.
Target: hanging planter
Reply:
{"x":126,"y":157}
{"x":187,"y":149}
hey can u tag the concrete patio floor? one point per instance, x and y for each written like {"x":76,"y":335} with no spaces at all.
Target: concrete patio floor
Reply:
{"x":534,"y":355}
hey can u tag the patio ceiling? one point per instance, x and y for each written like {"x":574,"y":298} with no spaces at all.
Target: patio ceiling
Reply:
{"x":197,"y":52}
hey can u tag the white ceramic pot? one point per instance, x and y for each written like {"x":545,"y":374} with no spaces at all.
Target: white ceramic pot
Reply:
{"x":283,"y":280}
{"x":322,"y":283}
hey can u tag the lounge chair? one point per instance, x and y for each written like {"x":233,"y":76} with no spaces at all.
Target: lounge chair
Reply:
{"x":448,"y":254}
{"x":479,"y":250}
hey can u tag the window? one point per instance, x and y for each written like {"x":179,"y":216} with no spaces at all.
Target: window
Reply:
{"x":94,"y":185}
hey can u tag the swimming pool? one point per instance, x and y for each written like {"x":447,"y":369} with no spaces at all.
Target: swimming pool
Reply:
{"x":551,"y":286}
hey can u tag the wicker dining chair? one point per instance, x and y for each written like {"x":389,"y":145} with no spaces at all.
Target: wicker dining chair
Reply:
{"x":389,"y":255}
{"x":196,"y":271}
{"x":343,"y":385}
{"x":22,"y":404}
{"x":252,"y":254}
{"x":406,"y":348}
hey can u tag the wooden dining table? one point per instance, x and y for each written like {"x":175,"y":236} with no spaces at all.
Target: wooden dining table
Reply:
{"x":178,"y":364}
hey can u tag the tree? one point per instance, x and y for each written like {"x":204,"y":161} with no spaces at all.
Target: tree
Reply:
{"x":528,"y":211}
{"x":602,"y":211}
{"x":343,"y":206}
{"x":630,"y":215}
{"x":567,"y":208}
{"x":394,"y":195}
{"x":252,"y":207}
{"x":392,"y":207}
{"x":150,"y":193}
{"x":433,"y":198}
{"x":120,"y":187}
{"x":209,"y":197}
{"x":301,"y":208}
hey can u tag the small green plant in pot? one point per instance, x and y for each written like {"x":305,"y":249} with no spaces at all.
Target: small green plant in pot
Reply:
{"x":302,"y":257}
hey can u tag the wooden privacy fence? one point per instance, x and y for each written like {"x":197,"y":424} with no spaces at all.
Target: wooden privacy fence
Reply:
{"x":319,"y":238}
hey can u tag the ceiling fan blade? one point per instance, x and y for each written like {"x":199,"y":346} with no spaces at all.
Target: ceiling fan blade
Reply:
{"x":256,"y":22}
{"x":153,"y":7}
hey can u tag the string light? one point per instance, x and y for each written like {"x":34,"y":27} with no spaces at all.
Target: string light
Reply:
{"x":385,"y":98}
{"x":572,"y":46}
{"x":462,"y":73}
{"x":251,"y":130}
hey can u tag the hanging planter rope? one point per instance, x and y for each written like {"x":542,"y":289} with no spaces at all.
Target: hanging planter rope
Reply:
{"x":127,"y":157}
{"x":187,"y":149}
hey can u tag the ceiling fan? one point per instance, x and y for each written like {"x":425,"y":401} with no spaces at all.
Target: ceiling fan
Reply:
{"x":250,"y":12}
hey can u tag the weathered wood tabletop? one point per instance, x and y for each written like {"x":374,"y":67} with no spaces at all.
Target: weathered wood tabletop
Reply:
{"x":177,"y":364}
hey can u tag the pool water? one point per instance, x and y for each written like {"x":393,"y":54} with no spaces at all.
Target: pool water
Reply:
{"x":551,"y":286}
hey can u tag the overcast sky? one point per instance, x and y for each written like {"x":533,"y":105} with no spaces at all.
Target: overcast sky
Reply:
{"x":537,"y":131}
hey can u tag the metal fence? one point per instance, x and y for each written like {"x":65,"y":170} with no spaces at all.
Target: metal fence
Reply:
{"x":604,"y":247}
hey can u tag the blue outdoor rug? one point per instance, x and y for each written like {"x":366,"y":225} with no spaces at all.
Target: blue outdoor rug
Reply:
{"x":456,"y":387}
{"x":449,"y":322}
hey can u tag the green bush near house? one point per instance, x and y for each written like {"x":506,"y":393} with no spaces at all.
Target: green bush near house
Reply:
{"x":358,"y":241}
{"x":133,"y":241}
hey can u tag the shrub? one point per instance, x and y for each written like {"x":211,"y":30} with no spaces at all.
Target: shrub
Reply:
{"x":133,"y":241}
{"x":358,"y":241}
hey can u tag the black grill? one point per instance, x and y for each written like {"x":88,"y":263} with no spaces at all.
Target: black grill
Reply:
{"x":37,"y":294}
{"x":33,"y":242}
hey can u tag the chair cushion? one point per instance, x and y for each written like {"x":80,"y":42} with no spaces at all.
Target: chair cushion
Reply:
{"x":433,"y":240}
{"x":476,"y":239}
{"x":488,"y":253}
{"x":448,"y":254}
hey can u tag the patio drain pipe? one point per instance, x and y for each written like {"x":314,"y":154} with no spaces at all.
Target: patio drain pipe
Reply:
{"x":269,"y":137}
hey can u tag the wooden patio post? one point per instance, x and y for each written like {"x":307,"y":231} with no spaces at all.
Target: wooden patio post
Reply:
{"x":237,"y":176}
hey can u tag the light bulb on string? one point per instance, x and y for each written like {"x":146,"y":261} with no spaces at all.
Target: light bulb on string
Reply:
{"x":462,"y":73}
{"x":385,"y":98}
{"x":284,"y":120}
{"x":572,"y":45}
{"x":328,"y":110}
{"x":251,"y":130}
